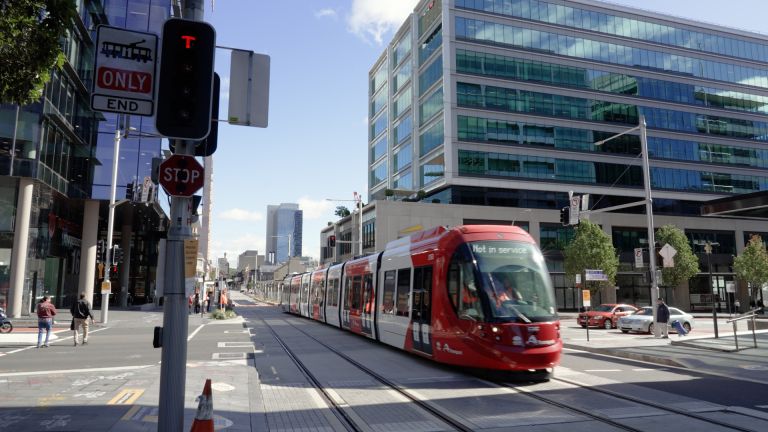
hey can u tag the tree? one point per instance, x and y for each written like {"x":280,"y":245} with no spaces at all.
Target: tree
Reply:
{"x":591,"y":249}
{"x":752,"y":265}
{"x":686,"y":264}
{"x":30,"y":45}
{"x":342,"y":211}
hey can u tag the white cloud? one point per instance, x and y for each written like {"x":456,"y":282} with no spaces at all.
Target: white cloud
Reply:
{"x":374,"y":18}
{"x":326,"y":13}
{"x":235,"y":246}
{"x":315,"y":209}
{"x":237,"y":214}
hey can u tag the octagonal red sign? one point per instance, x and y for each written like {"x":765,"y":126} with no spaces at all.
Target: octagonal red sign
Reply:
{"x":181,"y":175}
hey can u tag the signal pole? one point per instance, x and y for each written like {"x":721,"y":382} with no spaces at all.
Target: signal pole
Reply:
{"x":173,"y":369}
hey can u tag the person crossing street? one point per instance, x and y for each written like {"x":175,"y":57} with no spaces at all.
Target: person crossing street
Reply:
{"x":81,"y":311}
{"x":661,"y":327}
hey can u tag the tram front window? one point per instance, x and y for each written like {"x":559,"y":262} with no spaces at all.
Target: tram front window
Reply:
{"x":515,"y":281}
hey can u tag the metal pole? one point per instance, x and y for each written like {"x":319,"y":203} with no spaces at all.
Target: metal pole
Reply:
{"x":360,"y":234}
{"x":649,"y":216}
{"x":106,"y":285}
{"x":173,"y":368}
{"x":708,"y":250}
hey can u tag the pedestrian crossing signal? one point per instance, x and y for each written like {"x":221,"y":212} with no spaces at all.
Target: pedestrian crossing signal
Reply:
{"x":332,"y":241}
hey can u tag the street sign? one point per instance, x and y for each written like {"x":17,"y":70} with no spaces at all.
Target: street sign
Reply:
{"x":181,"y":175}
{"x":586,"y":299}
{"x":125,"y":71}
{"x":667,"y":252}
{"x":595,"y":275}
{"x":106,"y":287}
{"x":639,"y":258}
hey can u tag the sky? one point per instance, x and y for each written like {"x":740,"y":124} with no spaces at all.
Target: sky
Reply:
{"x":315,"y":146}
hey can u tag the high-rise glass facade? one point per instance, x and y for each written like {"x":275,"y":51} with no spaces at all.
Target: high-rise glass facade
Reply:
{"x":500,"y":102}
{"x":285,"y":224}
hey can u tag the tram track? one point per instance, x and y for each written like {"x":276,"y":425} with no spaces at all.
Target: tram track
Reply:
{"x":454,"y":421}
{"x":607,"y":419}
{"x":341,"y":409}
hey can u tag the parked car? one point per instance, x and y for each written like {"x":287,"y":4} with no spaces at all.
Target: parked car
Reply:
{"x":605,"y":315}
{"x":642,"y":320}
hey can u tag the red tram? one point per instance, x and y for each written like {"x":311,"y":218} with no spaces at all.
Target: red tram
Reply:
{"x":477,"y":295}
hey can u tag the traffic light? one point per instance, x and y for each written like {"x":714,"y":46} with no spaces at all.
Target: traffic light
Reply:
{"x":100,"y":251}
{"x":565,"y":216}
{"x":186,"y":79}
{"x":117,"y":255}
{"x":332,"y":241}
{"x":130,"y":191}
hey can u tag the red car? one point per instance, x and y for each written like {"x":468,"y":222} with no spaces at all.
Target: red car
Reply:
{"x":605,"y":315}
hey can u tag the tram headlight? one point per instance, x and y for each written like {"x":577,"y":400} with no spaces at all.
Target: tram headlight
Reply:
{"x":495,"y":329}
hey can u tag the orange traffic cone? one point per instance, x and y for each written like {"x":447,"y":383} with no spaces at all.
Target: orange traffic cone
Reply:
{"x":204,"y":417}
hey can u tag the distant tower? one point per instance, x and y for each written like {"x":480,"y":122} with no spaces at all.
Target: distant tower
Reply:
{"x":285,"y":224}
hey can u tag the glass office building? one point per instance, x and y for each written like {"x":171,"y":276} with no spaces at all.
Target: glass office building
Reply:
{"x":500,"y":102}
{"x":55,"y":172}
{"x":285,"y":225}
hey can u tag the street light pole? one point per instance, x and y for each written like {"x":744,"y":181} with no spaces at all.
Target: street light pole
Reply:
{"x":648,"y":205}
{"x":106,"y":284}
{"x":708,"y":251}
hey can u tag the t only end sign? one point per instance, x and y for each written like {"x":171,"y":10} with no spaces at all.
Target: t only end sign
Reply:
{"x":125,"y":71}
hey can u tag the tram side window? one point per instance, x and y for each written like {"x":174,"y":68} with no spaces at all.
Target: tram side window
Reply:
{"x":368,"y":292}
{"x":388,"y":297}
{"x":403,"y":291}
{"x":348,"y":292}
{"x":453,"y":285}
{"x":356,"y":292}
{"x":461,"y":272}
{"x":422,"y":283}
{"x":333,"y":292}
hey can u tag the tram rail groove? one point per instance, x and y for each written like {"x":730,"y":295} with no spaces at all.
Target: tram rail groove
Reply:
{"x":425,"y":405}
{"x":339,"y":411}
{"x":656,"y":405}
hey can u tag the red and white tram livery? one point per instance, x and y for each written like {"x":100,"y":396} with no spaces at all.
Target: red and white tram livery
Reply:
{"x":477,"y":295}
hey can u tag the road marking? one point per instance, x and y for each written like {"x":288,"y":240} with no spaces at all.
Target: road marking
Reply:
{"x":602,"y":370}
{"x":126,"y":397}
{"x":130,"y":413}
{"x":71,"y":371}
{"x":643,"y":370}
{"x":195,"y":332}
{"x":762,"y":406}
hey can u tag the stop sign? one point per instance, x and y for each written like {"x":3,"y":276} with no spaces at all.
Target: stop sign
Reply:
{"x":181,"y":175}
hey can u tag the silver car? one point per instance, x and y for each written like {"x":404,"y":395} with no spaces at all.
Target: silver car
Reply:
{"x":642,"y":320}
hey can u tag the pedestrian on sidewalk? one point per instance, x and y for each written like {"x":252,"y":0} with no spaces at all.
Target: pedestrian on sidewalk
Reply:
{"x":662,"y":318}
{"x":81,"y":311}
{"x":45,"y":314}
{"x":737,"y":306}
{"x":190,"y":300}
{"x":197,"y":303}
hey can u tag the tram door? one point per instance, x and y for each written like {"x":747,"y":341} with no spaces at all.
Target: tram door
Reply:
{"x":421,"y":311}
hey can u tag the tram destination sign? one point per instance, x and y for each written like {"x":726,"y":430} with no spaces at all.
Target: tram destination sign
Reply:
{"x":125,"y":71}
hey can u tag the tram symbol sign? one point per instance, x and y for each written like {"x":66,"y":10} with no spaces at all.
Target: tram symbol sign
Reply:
{"x":125,"y":71}
{"x":181,"y":175}
{"x":639,"y":258}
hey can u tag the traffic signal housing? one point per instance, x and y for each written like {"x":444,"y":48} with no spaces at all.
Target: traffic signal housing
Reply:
{"x":332,"y":241}
{"x":565,"y":216}
{"x":117,"y":255}
{"x":100,"y":251}
{"x":186,"y":79}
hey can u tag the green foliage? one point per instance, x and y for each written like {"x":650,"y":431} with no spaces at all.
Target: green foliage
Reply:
{"x":752,"y":265}
{"x":341,"y":211}
{"x":30,"y":45}
{"x":222,"y":315}
{"x":686,"y":263}
{"x":591,"y":249}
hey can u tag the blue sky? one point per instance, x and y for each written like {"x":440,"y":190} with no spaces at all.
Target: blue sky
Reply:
{"x":316,"y":144}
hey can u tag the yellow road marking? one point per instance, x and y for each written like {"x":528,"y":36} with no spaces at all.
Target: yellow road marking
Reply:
{"x":130,"y":412}
{"x":126,"y":397}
